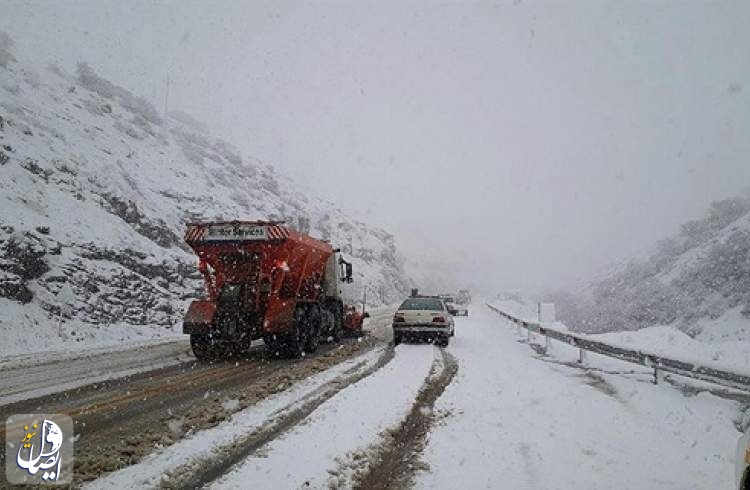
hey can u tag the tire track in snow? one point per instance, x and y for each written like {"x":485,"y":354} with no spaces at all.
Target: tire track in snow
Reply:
{"x":395,"y":459}
{"x":199,"y":473}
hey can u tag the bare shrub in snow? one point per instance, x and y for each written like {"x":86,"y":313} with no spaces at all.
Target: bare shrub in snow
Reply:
{"x":230,"y":154}
{"x":242,"y":200}
{"x":13,"y":88}
{"x":221,"y":177}
{"x":269,"y":183}
{"x":189,"y":121}
{"x":33,"y":166}
{"x":139,"y":106}
{"x":93,"y":107}
{"x":141,"y":123}
{"x":194,"y":139}
{"x":721,"y":213}
{"x":31,"y":77}
{"x":57,"y":70}
{"x":746,"y":310}
{"x":129,"y":130}
{"x":193,"y":154}
{"x":89,"y":79}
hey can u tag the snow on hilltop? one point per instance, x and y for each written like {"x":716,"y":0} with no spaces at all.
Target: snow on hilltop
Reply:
{"x":96,"y":188}
{"x":697,"y":281}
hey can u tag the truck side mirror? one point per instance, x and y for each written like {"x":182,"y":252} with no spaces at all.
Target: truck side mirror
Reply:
{"x":346,"y":270}
{"x":349,"y":272}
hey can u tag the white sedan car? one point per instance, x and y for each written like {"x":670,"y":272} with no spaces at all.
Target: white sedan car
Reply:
{"x":425,"y":318}
{"x":456,"y":309}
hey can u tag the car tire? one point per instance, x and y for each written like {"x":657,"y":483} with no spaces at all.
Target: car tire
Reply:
{"x":445,"y":341}
{"x":396,"y":339}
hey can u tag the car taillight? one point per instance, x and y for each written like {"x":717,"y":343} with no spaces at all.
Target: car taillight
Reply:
{"x":438,"y":319}
{"x":398,"y":319}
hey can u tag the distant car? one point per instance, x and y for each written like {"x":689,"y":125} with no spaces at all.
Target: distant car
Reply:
{"x":463,"y":297}
{"x":742,"y":462}
{"x":424,"y":318}
{"x":457,"y":310}
{"x":452,"y":305}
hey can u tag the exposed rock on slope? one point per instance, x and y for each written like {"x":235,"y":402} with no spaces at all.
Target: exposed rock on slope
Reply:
{"x":95,"y":188}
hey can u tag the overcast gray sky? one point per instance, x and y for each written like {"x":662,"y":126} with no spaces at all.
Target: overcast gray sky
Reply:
{"x":528,"y":144}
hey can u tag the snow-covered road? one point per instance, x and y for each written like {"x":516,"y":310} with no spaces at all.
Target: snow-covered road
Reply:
{"x":510,"y":418}
{"x":324,"y":451}
{"x":40,"y":374}
{"x":515,"y":421}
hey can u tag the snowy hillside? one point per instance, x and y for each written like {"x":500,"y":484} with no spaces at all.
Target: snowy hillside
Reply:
{"x":697,"y":281}
{"x":96,"y":188}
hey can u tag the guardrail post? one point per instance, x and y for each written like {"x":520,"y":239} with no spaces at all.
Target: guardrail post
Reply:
{"x":581,"y":356}
{"x":546,"y":343}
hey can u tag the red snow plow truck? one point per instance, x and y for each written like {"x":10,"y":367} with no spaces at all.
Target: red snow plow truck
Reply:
{"x":264,"y":280}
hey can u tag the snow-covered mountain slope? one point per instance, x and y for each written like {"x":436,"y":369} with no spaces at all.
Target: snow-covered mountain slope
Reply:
{"x":697,"y":281}
{"x":95,"y":189}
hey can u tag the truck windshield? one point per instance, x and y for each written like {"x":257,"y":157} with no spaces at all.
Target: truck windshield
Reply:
{"x":422,"y":304}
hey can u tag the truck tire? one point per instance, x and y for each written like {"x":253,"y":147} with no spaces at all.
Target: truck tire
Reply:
{"x":203,"y":347}
{"x":296,"y":339}
{"x":274,"y":345}
{"x":295,"y":343}
{"x":338,"y":322}
{"x":312,"y":325}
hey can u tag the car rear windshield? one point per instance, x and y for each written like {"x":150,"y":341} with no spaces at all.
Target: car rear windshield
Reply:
{"x":421,"y":304}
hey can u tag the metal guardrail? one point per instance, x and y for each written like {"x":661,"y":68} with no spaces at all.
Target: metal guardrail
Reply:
{"x":656,"y":362}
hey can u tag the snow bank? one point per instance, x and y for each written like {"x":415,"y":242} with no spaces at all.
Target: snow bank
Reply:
{"x":671,"y":342}
{"x":510,"y":420}
{"x":712,"y":348}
